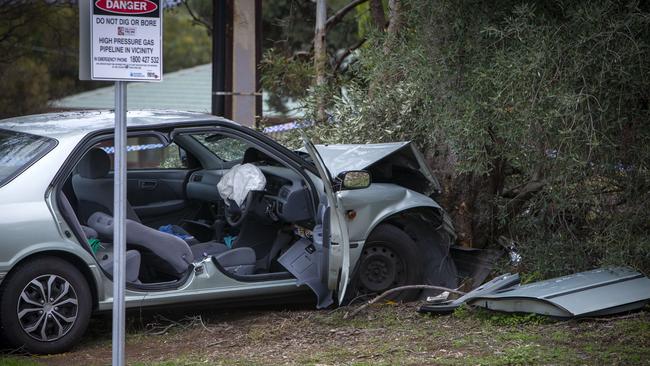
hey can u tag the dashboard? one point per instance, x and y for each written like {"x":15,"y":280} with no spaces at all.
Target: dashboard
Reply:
{"x":286,"y":195}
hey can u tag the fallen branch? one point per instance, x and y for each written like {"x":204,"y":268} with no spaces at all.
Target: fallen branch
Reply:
{"x":397,"y":289}
{"x":16,"y":351}
{"x":159,"y":328}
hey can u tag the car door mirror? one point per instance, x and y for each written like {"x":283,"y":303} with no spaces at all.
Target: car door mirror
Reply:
{"x":353,"y":179}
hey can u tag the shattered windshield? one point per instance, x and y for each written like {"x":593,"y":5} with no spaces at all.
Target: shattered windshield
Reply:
{"x":224,"y":147}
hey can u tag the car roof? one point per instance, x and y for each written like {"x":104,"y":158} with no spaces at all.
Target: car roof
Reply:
{"x":80,"y":123}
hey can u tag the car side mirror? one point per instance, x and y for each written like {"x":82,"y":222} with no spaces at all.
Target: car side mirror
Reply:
{"x":353,"y":179}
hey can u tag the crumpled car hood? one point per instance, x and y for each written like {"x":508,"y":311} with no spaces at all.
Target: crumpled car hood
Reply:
{"x":344,"y":157}
{"x":388,"y":163}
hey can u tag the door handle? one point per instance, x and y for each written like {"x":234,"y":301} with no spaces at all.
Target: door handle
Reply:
{"x":148,"y":185}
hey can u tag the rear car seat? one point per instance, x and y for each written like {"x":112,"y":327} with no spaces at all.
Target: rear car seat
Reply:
{"x":104,"y":257}
{"x":174,"y":250}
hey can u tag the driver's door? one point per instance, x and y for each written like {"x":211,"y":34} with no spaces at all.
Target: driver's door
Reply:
{"x":339,"y":253}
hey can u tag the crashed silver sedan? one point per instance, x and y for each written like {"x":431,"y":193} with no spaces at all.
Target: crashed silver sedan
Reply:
{"x":217,"y":212}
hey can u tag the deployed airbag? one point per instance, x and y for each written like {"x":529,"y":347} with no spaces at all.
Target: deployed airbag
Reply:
{"x":240,"y":180}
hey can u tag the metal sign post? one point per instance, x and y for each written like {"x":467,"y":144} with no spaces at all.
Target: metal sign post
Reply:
{"x":119,"y":225}
{"x":120,"y":41}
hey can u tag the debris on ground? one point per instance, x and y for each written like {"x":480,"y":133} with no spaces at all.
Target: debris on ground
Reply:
{"x":598,"y":292}
{"x":498,"y":283}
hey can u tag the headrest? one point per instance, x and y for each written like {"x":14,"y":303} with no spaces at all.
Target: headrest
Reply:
{"x":95,"y":164}
{"x":252,"y":155}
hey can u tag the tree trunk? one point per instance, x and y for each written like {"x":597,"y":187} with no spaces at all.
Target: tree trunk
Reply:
{"x":394,"y":24}
{"x":320,"y":56}
{"x":377,"y":13}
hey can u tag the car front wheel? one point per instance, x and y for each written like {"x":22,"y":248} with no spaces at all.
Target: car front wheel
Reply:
{"x":389,"y":259}
{"x":45,"y":306}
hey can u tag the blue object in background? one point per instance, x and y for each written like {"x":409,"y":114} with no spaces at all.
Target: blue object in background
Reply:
{"x":172,"y":229}
{"x":229,"y":241}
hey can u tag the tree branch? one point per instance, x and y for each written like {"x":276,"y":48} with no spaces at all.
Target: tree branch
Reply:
{"x":334,"y":19}
{"x":397,"y":289}
{"x":196,"y":18}
{"x":524,"y":194}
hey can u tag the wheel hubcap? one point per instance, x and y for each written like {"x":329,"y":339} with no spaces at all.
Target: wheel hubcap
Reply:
{"x":47,"y":308}
{"x":381,"y":268}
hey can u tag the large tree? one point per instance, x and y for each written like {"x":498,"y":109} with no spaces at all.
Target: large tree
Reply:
{"x":534,"y":115}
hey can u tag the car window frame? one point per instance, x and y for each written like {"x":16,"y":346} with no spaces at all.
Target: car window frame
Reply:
{"x":155,"y":134}
{"x":259,"y":141}
{"x":248,"y":145}
{"x":52,"y":143}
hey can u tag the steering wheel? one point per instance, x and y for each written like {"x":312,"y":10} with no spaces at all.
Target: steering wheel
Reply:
{"x":235,"y":214}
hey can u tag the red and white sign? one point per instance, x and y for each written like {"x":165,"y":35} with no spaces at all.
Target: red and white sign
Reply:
{"x":127,"y":6}
{"x":126,"y":40}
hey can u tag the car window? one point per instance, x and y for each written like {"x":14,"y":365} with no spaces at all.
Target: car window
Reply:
{"x":147,"y":152}
{"x":224,"y":147}
{"x":18,"y":151}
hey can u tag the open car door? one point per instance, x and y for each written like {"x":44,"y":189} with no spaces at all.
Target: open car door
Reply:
{"x":339,"y":248}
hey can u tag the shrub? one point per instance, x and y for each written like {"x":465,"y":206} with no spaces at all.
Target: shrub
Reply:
{"x":534,"y":115}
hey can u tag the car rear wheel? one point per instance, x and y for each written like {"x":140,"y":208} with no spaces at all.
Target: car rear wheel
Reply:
{"x":389,"y":259}
{"x":45,"y":306}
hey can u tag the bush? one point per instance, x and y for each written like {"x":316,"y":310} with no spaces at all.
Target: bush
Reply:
{"x":534,"y":115}
{"x":25,"y":88}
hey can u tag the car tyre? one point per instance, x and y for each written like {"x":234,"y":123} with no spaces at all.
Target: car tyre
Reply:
{"x":45,"y":306}
{"x":389,"y":259}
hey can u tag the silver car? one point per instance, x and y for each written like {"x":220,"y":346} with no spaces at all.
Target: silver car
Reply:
{"x":327,"y":223}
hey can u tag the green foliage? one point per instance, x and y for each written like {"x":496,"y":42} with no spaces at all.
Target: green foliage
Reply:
{"x":25,"y":88}
{"x":186,"y":43}
{"x":499,"y":319}
{"x":463,"y":312}
{"x":530,"y":277}
{"x":285,"y":77}
{"x":536,"y":113}
{"x":287,"y":67}
{"x":16,"y":361}
{"x":364,"y":18}
{"x":38,"y":56}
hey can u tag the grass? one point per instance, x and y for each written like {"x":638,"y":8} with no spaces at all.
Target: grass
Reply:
{"x":383,"y":335}
{"x":504,"y":319}
{"x":17,"y":361}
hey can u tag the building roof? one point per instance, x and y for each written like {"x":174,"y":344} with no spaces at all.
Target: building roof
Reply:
{"x":184,"y":90}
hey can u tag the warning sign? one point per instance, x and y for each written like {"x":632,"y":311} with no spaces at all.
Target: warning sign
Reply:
{"x":126,"y":40}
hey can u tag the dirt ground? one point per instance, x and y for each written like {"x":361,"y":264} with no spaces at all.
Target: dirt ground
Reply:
{"x":385,"y":334}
